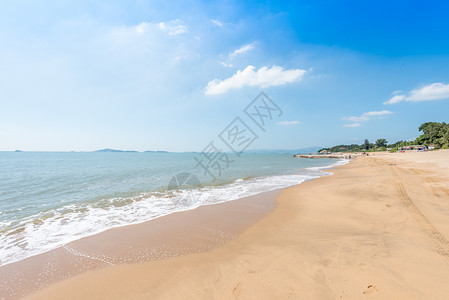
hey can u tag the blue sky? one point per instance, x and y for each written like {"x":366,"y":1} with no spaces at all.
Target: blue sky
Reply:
{"x":85,"y":75}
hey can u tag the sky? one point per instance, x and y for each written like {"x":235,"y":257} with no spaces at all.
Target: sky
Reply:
{"x":153,"y":75}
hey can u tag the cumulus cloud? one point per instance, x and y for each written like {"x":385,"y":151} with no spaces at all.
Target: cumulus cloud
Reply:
{"x":434,"y":91}
{"x":286,"y":123}
{"x":365,"y":117}
{"x":264,"y":77}
{"x":241,"y":50}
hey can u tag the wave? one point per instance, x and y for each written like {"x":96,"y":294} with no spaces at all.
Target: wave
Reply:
{"x":48,"y":230}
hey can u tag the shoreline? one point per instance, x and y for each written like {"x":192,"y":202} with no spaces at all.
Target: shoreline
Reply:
{"x":154,"y":239}
{"x":38,"y":233}
{"x":176,"y":234}
{"x":378,"y":229}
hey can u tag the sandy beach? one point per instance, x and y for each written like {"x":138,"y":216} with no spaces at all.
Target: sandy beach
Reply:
{"x":376,"y":229}
{"x":224,"y":150}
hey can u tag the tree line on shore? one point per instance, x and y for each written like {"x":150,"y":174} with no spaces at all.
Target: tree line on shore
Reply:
{"x":432,"y":133}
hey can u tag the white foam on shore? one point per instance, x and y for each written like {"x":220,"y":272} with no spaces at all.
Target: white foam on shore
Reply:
{"x":340,"y":162}
{"x":43,"y":232}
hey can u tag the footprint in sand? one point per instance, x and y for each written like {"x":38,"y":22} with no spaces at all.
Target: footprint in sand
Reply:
{"x":370,"y":290}
{"x":237,"y":291}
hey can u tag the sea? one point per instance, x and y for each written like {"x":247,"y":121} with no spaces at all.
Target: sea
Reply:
{"x":48,"y":199}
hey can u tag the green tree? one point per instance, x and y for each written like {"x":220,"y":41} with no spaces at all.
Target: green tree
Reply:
{"x":381,"y":143}
{"x":443,"y":135}
{"x":434,"y":133}
{"x":366,"y":144}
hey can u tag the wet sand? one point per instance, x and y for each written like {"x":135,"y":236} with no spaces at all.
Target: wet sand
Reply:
{"x":378,"y":229}
{"x":178,"y":234}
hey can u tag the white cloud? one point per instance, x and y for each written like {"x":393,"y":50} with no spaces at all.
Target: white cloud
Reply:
{"x":395,"y":99}
{"x":264,"y":77}
{"x":353,"y":125}
{"x":174,"y":27}
{"x":149,"y":31}
{"x":355,"y":119}
{"x":286,"y":123}
{"x":217,"y":23}
{"x":226,"y":64}
{"x":142,"y":28}
{"x":377,"y":113}
{"x":434,"y":91}
{"x":365,"y":117}
{"x":243,"y":49}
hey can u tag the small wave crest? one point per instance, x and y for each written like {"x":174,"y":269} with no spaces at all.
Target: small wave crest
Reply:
{"x":45,"y":231}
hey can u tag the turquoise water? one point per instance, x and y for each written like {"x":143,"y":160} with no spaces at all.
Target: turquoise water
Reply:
{"x":49,"y":199}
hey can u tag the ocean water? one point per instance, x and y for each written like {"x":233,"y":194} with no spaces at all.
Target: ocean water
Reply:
{"x":48,"y":199}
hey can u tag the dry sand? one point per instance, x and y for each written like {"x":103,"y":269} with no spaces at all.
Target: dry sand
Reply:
{"x":377,"y":229}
